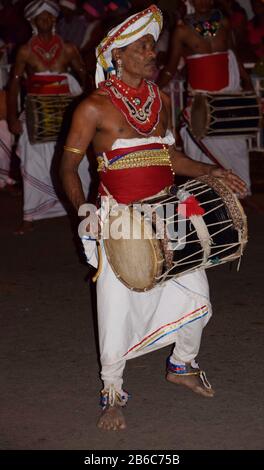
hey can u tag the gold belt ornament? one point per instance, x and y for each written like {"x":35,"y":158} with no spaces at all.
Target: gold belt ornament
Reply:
{"x":142,"y":158}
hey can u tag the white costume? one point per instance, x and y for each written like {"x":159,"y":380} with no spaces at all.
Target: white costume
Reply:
{"x":40,"y":198}
{"x":134,"y":323}
{"x":6,"y":142}
{"x":231,"y":152}
{"x":6,"y":138}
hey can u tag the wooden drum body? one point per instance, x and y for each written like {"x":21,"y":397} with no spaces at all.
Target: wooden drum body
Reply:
{"x":225,"y":114}
{"x":144,"y":253}
{"x":44,"y":116}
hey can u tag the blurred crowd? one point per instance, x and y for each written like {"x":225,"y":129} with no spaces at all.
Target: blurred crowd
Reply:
{"x":84,"y":23}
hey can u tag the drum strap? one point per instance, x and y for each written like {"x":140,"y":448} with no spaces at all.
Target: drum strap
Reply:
{"x":204,"y":149}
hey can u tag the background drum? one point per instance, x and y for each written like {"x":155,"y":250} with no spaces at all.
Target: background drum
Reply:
{"x":217,"y":237}
{"x":44,"y":116}
{"x":225,"y":114}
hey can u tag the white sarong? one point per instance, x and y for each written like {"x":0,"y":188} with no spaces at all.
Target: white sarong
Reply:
{"x":134,"y":323}
{"x":6,"y":142}
{"x":40,"y":198}
{"x":231,"y":152}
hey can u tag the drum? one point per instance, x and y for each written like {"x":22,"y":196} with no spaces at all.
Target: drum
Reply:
{"x":225,"y":115}
{"x":2,"y":104}
{"x":154,"y":255}
{"x":44,"y":116}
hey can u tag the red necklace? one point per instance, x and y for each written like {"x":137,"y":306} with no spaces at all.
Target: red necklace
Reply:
{"x":47,"y":52}
{"x":140,"y":106}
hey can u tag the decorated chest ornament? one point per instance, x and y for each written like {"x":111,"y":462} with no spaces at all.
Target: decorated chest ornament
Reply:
{"x":207,"y":27}
{"x":47,"y":52}
{"x":140,"y":106}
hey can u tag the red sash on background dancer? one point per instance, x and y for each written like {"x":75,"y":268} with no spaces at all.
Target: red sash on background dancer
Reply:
{"x":47,"y":84}
{"x":209,"y":72}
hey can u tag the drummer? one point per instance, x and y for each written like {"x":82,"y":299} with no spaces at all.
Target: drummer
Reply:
{"x":205,"y":41}
{"x":44,"y":55}
{"x":126,"y":119}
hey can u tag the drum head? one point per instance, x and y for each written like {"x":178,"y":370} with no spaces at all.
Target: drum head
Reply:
{"x":135,"y":257}
{"x":199,"y":116}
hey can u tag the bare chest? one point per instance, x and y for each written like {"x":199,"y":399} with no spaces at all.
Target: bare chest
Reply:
{"x":42,"y":63}
{"x":113,"y":125}
{"x":196,"y":44}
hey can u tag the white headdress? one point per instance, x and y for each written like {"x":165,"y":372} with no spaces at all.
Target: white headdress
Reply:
{"x":148,"y":21}
{"x":36,"y":7}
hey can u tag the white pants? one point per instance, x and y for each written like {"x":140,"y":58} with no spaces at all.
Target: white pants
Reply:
{"x":134,"y":323}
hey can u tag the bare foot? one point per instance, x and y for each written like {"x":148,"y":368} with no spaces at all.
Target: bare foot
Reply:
{"x":25,"y":227}
{"x":112,"y":419}
{"x":191,"y":381}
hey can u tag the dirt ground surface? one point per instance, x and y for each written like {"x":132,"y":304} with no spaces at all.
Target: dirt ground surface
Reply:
{"x":49,"y":358}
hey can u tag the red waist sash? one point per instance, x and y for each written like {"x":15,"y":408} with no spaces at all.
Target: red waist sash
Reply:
{"x":47,"y":85}
{"x":132,"y":184}
{"x":208,"y":73}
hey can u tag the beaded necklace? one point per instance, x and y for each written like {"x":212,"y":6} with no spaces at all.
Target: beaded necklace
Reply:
{"x":140,"y":106}
{"x":206,"y":27}
{"x":47,"y":52}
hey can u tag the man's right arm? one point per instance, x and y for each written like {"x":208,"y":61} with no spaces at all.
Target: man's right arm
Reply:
{"x":82,"y":131}
{"x":175,"y":53}
{"x":14,"y":124}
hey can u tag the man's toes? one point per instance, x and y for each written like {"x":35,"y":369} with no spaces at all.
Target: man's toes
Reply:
{"x":121,"y":424}
{"x":204,"y":391}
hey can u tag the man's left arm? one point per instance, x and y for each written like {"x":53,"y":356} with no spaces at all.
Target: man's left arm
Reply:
{"x":185,"y":166}
{"x":77,"y":63}
{"x":247,"y":84}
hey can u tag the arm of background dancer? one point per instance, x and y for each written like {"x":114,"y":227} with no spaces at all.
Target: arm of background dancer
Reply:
{"x":185,"y":166}
{"x":167,"y":104}
{"x":14,"y":124}
{"x":175,"y":53}
{"x":82,"y":130}
{"x":244,"y":76}
{"x":77,"y":63}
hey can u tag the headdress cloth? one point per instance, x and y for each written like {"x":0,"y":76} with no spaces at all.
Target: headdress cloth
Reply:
{"x":36,"y":7}
{"x":148,"y":21}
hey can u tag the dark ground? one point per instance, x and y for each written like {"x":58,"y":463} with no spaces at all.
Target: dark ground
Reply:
{"x":49,"y":368}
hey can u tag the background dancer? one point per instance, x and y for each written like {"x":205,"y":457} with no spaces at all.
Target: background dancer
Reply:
{"x":205,"y":40}
{"x":45,"y":59}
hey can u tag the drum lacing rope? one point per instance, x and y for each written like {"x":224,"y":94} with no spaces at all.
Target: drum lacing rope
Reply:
{"x":241,"y":253}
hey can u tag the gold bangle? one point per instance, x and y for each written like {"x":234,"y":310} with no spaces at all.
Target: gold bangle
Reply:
{"x":73,"y":150}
